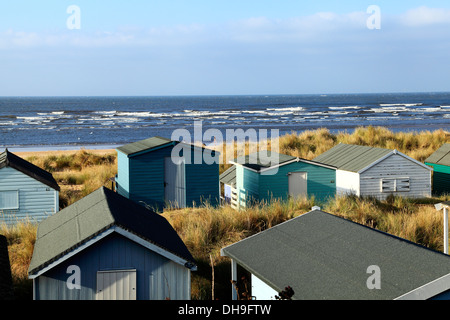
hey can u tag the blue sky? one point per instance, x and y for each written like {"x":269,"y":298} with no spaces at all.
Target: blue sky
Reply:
{"x":198,"y":47}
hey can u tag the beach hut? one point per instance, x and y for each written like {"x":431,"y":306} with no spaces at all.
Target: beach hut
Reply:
{"x":377,"y":172}
{"x":440,"y":162}
{"x":259,"y":180}
{"x":148,"y":173}
{"x":324,"y":257}
{"x":27,"y":192}
{"x":107,"y":247}
{"x":228,"y":184}
{"x":6,"y":289}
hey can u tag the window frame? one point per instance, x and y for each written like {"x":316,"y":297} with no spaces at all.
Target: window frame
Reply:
{"x":16,"y":204}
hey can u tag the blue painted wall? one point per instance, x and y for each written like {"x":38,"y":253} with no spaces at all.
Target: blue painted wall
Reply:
{"x":321,"y":181}
{"x":116,"y":252}
{"x":141,"y":179}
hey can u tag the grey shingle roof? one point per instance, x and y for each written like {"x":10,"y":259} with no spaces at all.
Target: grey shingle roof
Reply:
{"x":322,"y":256}
{"x":228,"y":176}
{"x":143,"y":145}
{"x":9,"y":159}
{"x":351,"y":157}
{"x":441,"y":156}
{"x":95,"y":213}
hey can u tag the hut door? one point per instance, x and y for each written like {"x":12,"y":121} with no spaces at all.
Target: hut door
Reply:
{"x":298,"y":184}
{"x":116,"y":285}
{"x":174,"y":182}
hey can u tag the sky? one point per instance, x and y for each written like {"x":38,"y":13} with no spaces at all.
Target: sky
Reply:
{"x":222,"y":47}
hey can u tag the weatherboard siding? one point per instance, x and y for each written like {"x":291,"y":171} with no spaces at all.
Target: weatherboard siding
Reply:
{"x":157,"y":278}
{"x":147,"y":177}
{"x":36,"y":200}
{"x":274,"y":183}
{"x":441,"y":178}
{"x":141,"y":178}
{"x":347,"y":183}
{"x":320,"y":181}
{"x":396,"y":166}
{"x":122,"y":180}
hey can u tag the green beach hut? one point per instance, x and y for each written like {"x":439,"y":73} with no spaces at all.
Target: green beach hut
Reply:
{"x":150,"y":174}
{"x":289,"y":176}
{"x":440,"y":162}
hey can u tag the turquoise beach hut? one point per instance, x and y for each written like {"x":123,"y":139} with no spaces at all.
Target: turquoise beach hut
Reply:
{"x":149,"y":174}
{"x":288,"y":177}
{"x":440,"y":162}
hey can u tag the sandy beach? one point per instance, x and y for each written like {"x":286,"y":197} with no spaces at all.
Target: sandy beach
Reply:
{"x":25,"y":154}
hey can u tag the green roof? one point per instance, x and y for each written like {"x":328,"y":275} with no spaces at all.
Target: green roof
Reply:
{"x":441,"y":156}
{"x":144,"y":145}
{"x":80,"y":222}
{"x":322,"y":256}
{"x":229,"y":176}
{"x":350,"y":157}
{"x":258,"y":160}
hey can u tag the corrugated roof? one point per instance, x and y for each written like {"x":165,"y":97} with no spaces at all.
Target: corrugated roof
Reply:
{"x":258,"y":160}
{"x":143,"y":145}
{"x":441,"y":156}
{"x":351,"y":157}
{"x":228,"y":176}
{"x":95,"y":213}
{"x":8,"y":159}
{"x":322,"y":256}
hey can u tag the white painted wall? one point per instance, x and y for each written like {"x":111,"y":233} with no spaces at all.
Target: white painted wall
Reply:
{"x":262,"y":291}
{"x":347,"y":183}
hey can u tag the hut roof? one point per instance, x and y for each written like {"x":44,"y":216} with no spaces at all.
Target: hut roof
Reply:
{"x":101,"y":210}
{"x":8,"y":159}
{"x":441,"y":156}
{"x":322,"y":256}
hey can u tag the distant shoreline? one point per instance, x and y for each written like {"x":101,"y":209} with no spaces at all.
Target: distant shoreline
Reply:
{"x":61,"y":149}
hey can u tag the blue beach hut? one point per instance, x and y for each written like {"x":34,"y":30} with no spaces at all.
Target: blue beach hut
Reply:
{"x":107,"y":247}
{"x":152,"y":173}
{"x":27,"y":192}
{"x":288,"y":177}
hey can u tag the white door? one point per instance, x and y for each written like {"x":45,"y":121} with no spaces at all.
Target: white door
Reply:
{"x":298,"y":184}
{"x":116,"y":285}
{"x":174,"y":182}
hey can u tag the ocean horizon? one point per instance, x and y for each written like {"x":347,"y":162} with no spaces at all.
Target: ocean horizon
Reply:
{"x":59,"y":123}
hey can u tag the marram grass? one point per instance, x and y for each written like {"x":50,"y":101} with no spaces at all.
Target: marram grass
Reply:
{"x":206,"y":229}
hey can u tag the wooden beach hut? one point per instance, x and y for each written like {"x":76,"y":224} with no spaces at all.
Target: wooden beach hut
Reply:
{"x":325,"y":257}
{"x":149,"y":174}
{"x":377,"y":172}
{"x":27,"y":192}
{"x":107,"y":247}
{"x":440,"y":162}
{"x":287,"y":176}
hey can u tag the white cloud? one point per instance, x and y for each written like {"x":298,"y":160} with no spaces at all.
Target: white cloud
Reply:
{"x":424,"y":16}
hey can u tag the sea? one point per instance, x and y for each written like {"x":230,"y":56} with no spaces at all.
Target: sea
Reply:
{"x":46,"y":123}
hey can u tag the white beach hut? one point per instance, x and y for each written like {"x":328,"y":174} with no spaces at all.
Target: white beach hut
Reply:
{"x":377,"y":172}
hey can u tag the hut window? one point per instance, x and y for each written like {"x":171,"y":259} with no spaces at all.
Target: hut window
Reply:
{"x":9,"y":200}
{"x":395,"y":185}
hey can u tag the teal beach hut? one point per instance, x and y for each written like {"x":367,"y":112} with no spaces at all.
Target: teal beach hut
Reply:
{"x":150,"y":174}
{"x":440,"y":162}
{"x":287,"y":177}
